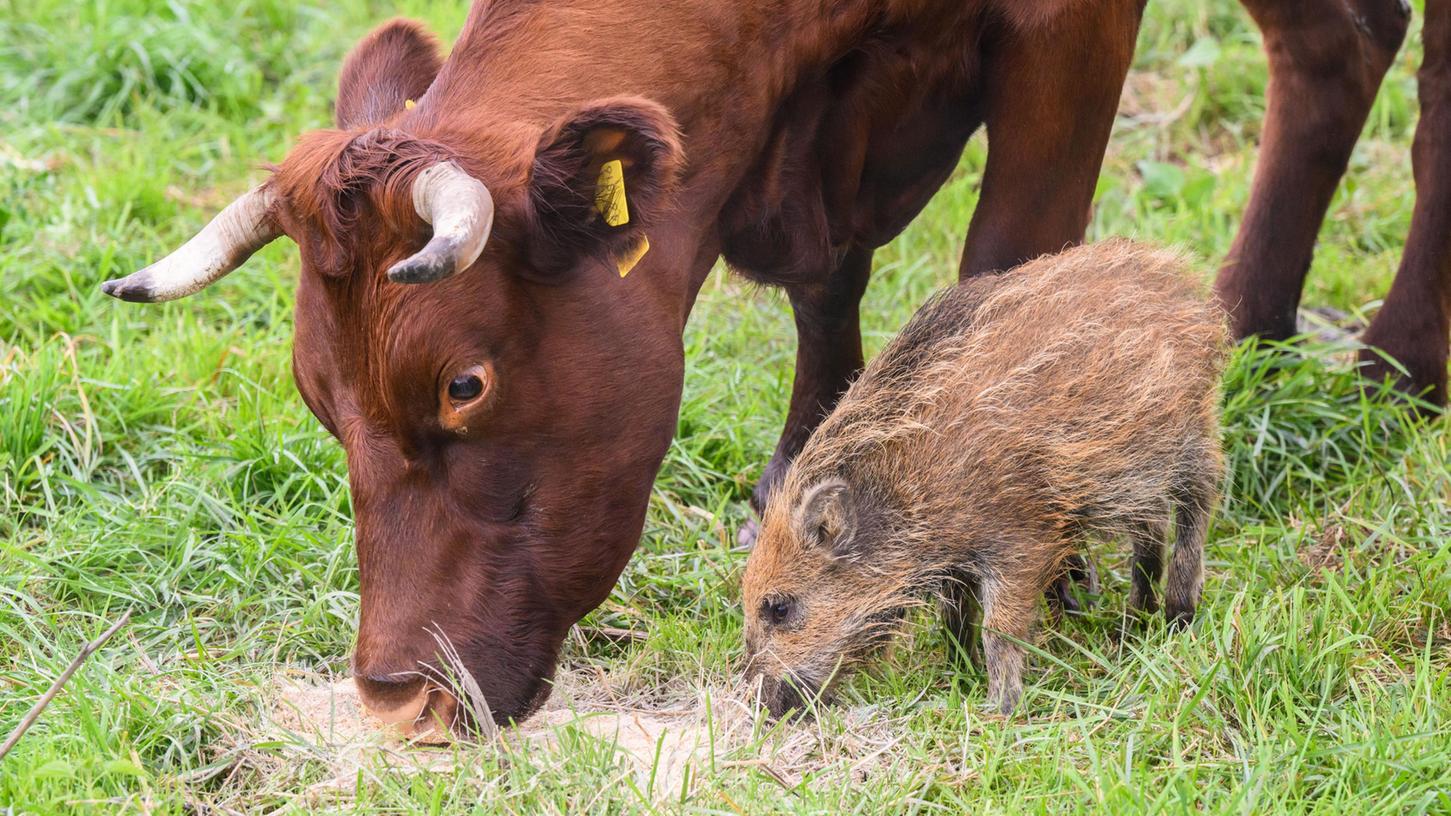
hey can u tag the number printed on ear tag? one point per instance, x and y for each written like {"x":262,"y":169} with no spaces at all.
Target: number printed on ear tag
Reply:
{"x":610,"y":194}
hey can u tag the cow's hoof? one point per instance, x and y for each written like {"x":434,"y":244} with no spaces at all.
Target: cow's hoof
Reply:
{"x":1061,"y":597}
{"x":1424,"y":378}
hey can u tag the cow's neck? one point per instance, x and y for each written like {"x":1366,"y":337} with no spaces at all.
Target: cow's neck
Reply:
{"x":722,"y":68}
{"x":534,"y":59}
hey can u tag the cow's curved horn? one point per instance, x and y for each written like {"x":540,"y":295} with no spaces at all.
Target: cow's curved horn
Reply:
{"x":223,"y":245}
{"x":461,"y":211}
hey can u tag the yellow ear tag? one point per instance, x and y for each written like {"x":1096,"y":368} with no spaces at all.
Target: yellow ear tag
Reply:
{"x":409,"y":105}
{"x":629,"y":261}
{"x":610,"y":194}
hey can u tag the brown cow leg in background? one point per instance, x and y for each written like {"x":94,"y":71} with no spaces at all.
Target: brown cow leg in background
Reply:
{"x":1049,"y":112}
{"x":828,"y":356}
{"x":1050,"y":100}
{"x":1415,"y":321}
{"x":1327,"y":58}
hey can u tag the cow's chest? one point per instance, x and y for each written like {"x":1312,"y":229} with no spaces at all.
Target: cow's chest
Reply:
{"x":854,"y":154}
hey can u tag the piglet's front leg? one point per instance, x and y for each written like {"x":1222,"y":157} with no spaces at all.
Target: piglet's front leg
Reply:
{"x":1007,"y":620}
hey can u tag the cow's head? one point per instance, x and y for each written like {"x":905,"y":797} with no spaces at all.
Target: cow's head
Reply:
{"x":504,"y":395}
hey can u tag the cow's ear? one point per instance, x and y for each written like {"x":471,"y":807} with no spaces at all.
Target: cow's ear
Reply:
{"x":392,"y":65}
{"x":601,"y":177}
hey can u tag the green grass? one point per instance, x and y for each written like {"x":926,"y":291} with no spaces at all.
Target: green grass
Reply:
{"x":159,"y":459}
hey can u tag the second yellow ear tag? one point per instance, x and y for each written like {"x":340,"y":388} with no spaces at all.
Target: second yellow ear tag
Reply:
{"x":610,"y":194}
{"x":628,"y":262}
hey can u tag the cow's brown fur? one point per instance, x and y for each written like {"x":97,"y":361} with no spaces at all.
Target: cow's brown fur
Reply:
{"x":1012,"y":417}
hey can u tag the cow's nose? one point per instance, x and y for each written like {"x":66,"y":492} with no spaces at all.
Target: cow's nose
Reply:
{"x":413,"y":704}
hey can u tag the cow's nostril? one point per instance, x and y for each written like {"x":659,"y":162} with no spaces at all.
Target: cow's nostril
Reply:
{"x":440,"y":715}
{"x":394,"y":698}
{"x":415,"y":705}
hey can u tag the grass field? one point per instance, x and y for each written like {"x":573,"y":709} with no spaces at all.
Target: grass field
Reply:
{"x":158,"y":459}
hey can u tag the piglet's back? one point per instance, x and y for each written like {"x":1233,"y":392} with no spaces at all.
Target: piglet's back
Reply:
{"x":1071,"y":383}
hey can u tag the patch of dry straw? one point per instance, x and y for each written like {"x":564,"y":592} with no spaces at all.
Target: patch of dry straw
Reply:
{"x":666,"y":742}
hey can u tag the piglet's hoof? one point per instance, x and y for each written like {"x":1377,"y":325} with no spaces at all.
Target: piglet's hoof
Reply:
{"x":1084,"y":573}
{"x":746,"y":536}
{"x":1077,"y":570}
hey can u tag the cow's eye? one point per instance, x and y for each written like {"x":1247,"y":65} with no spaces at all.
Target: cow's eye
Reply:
{"x":463,"y":399}
{"x":465,"y":387}
{"x":777,"y":610}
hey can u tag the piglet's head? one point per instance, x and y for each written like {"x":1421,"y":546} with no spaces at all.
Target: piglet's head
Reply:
{"x":820,"y":597}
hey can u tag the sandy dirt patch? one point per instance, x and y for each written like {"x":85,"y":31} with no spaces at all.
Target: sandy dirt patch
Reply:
{"x":667,"y":744}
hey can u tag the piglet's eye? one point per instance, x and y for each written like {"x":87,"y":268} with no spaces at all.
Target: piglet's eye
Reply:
{"x":465,"y":387}
{"x":776,"y":610}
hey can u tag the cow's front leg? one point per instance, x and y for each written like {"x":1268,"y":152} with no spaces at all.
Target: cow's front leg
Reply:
{"x":1413,"y":325}
{"x":1049,"y":112}
{"x":1327,"y":58}
{"x":828,"y":357}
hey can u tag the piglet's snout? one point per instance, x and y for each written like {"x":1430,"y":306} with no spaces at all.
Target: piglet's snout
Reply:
{"x":784,"y":694}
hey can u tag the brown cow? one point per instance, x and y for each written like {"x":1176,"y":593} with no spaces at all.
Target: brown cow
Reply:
{"x":465,"y":327}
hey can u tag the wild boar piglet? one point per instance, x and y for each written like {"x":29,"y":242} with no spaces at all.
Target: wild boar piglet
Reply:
{"x":1013,"y":417}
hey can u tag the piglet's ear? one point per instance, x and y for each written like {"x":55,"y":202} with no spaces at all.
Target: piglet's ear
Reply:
{"x":601,"y":177}
{"x":827,"y":517}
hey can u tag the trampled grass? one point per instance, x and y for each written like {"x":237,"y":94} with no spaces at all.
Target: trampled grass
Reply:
{"x":159,"y":459}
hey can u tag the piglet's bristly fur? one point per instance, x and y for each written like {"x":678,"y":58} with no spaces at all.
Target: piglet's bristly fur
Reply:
{"x":1013,"y":417}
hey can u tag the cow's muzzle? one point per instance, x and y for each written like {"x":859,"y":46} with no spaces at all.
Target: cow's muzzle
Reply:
{"x":418,"y":707}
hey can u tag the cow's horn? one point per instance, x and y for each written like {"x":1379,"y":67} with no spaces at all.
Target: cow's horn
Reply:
{"x":462,"y":213}
{"x":223,"y":245}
